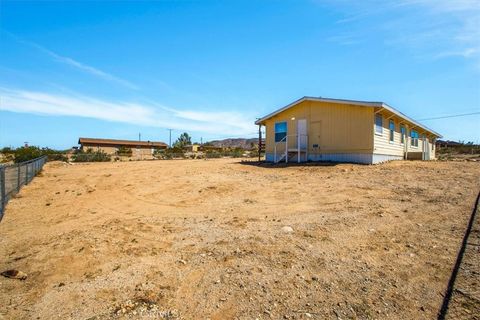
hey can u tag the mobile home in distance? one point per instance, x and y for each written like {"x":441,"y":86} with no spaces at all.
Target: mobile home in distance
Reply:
{"x":323,"y":129}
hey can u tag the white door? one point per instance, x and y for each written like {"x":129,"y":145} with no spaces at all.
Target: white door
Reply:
{"x":427,"y":149}
{"x":302,"y":133}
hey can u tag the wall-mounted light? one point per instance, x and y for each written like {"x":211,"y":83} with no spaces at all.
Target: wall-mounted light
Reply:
{"x":293,"y":118}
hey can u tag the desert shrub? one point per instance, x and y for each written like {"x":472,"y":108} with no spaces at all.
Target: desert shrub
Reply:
{"x":124,"y":151}
{"x":160,"y":154}
{"x":23,"y":154}
{"x":7,"y":150}
{"x":254,"y":153}
{"x":213,"y":154}
{"x":6,"y":157}
{"x":237,"y":153}
{"x":91,"y":156}
{"x":57,"y":157}
{"x":27,"y":153}
{"x":169,"y":153}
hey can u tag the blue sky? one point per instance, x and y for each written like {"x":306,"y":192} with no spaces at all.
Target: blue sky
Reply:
{"x":116,"y":68}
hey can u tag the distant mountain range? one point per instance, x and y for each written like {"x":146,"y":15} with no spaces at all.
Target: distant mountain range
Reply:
{"x":236,"y":143}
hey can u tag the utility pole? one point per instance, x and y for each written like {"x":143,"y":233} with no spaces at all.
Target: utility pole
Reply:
{"x":201,"y":140}
{"x":260,"y":142}
{"x":170,"y":139}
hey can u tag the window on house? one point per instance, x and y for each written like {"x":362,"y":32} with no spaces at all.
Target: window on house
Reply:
{"x":280,"y":131}
{"x":392,"y":130}
{"x":378,"y":124}
{"x":414,"y":138}
{"x":402,"y":134}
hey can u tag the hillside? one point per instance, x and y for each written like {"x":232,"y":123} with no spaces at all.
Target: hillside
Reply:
{"x":235,"y":143}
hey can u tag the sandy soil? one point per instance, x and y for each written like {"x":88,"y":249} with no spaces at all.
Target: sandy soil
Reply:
{"x":198,"y":239}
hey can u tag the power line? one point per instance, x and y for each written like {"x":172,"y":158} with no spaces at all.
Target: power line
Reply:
{"x":451,"y":116}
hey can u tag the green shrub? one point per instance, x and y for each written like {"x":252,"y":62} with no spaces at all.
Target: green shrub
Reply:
{"x":27,"y":153}
{"x":91,"y":156}
{"x":57,"y":157}
{"x":213,"y":154}
{"x":169,"y":153}
{"x":124,"y":151}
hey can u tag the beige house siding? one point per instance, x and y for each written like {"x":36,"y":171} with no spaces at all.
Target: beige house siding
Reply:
{"x":344,"y":131}
{"x":137,"y":153}
{"x":383,"y":145}
{"x":381,"y":141}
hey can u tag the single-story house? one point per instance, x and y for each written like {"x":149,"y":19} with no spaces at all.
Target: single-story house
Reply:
{"x":338,"y":130}
{"x":135,"y":149}
{"x":195,"y":147}
{"x":202,"y":148}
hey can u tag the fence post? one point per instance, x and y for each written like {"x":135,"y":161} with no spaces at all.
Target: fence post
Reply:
{"x":26,"y":173}
{"x":3,"y":194}
{"x":19,"y":168}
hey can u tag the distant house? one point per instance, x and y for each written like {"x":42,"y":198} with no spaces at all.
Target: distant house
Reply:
{"x":135,"y":149}
{"x":321,"y":129}
{"x":203,"y":148}
{"x":192,"y":147}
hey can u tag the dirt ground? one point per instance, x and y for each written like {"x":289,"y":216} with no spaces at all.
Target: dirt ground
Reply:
{"x":218,"y":239}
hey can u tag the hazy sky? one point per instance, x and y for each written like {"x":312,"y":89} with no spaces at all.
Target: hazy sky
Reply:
{"x":113,"y":69}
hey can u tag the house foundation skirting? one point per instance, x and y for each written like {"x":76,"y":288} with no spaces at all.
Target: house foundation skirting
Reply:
{"x":379,"y":158}
{"x":363,"y":158}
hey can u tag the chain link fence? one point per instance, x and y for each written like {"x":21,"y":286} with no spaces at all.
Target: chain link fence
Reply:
{"x":462,"y":298}
{"x":14,"y":176}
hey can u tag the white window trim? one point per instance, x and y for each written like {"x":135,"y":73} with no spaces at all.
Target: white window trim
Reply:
{"x":392,"y":141}
{"x":403,"y":135}
{"x":411,"y":139}
{"x":375,"y":125}
{"x":275,"y":131}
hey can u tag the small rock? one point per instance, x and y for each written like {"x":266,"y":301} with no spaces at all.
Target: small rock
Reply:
{"x":287,"y":229}
{"x":14,"y":274}
{"x":308,"y":315}
{"x":182,"y":261}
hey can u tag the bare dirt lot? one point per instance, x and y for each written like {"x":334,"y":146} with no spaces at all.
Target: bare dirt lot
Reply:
{"x":218,"y":239}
